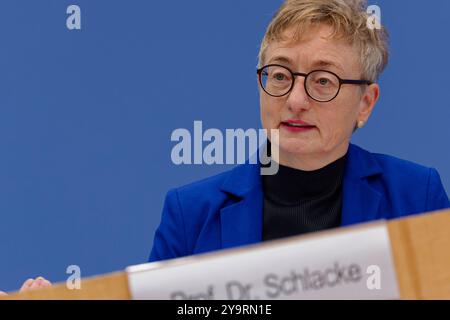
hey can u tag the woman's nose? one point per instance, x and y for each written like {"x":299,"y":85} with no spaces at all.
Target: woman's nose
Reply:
{"x":298,"y":99}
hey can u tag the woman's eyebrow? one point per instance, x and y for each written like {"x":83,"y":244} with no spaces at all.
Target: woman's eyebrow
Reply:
{"x":322,"y":63}
{"x":327,"y":64}
{"x":281,"y":59}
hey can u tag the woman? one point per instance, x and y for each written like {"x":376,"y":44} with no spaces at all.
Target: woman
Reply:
{"x":319,"y":63}
{"x":30,"y":284}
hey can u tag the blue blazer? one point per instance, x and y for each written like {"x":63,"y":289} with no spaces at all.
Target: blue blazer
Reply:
{"x":226,"y":210}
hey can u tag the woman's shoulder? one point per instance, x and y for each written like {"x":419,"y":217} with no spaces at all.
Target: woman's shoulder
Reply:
{"x":217,"y":188}
{"x":412,"y":186}
{"x":211,"y":183}
{"x":409,"y":179}
{"x":395,"y":165}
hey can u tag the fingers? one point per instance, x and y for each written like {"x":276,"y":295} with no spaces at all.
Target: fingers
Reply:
{"x":39,"y":282}
{"x":26,"y":285}
{"x":3,"y":293}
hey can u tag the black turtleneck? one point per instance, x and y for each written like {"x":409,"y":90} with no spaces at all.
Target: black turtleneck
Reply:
{"x":298,"y":202}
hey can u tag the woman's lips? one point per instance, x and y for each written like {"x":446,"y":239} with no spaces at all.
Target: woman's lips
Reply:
{"x":296,"y":126}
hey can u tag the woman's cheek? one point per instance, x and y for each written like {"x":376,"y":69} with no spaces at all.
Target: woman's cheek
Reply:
{"x":270,"y":120}
{"x":335,"y":138}
{"x":327,"y":136}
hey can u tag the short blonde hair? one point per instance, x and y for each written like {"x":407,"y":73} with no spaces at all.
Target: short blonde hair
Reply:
{"x":348,"y":19}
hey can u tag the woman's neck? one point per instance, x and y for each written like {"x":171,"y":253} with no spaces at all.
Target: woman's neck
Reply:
{"x":308,"y":162}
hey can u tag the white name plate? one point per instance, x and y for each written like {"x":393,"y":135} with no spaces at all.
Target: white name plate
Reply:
{"x":352,"y":263}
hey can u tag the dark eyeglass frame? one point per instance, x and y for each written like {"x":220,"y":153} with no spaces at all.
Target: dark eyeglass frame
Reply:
{"x":306,"y":75}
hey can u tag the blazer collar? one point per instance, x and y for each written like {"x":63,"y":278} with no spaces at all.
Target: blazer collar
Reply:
{"x":242,"y":220}
{"x":361,"y":163}
{"x":360,"y":201}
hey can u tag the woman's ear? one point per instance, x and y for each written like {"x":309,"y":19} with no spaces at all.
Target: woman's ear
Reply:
{"x":368,"y":100}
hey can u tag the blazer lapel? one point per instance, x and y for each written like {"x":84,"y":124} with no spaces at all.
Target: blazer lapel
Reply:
{"x":241,"y":222}
{"x":360,"y":201}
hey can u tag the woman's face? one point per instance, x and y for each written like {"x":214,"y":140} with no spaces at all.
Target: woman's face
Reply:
{"x":333,"y":122}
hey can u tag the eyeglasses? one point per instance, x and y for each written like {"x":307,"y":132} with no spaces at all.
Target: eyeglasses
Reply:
{"x":320,"y":85}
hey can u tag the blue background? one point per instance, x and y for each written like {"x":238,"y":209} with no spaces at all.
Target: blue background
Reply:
{"x":86,"y":116}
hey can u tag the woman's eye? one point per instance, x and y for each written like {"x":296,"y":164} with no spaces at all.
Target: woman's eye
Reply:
{"x":279,"y":77}
{"x":324,"y":82}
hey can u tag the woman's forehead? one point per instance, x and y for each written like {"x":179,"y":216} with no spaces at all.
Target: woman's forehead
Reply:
{"x":314,"y":50}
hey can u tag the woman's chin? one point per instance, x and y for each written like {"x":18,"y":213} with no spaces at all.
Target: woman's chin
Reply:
{"x":296,"y":147}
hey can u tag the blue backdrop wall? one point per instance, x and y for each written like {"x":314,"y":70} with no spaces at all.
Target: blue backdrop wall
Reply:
{"x":86,"y":115}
